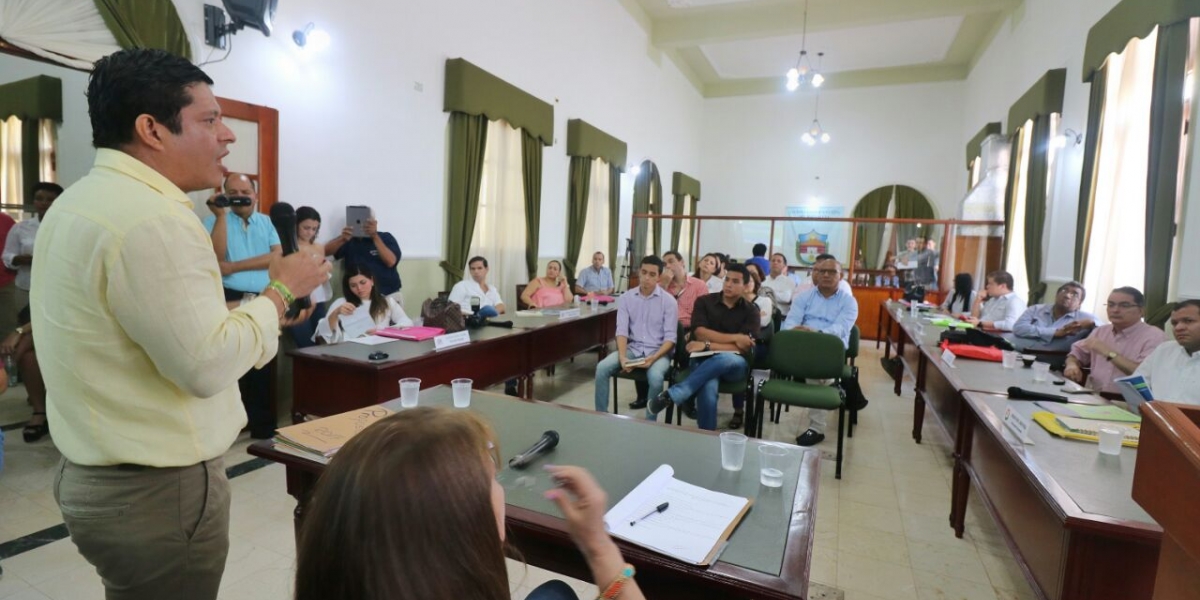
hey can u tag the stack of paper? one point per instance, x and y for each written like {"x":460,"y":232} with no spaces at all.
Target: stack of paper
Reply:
{"x":319,"y":440}
{"x":692,"y":529}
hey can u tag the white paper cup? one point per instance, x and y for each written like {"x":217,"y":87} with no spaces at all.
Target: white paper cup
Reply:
{"x":1110,"y":440}
{"x":1010,"y":359}
{"x":462,"y":392}
{"x":410,"y":390}
{"x":733,"y":450}
{"x":1041,"y":372}
{"x":773,"y":464}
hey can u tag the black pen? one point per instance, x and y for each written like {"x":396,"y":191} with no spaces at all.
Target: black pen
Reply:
{"x":660,"y":508}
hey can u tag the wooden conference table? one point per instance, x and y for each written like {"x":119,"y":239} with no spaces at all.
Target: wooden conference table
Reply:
{"x":768,"y":555}
{"x":333,"y":379}
{"x":1064,"y":510}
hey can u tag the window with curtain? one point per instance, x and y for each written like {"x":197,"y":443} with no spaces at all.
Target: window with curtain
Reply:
{"x":975,"y":171}
{"x":500,"y":222}
{"x":47,"y":150}
{"x":685,"y":229}
{"x":1117,"y":237}
{"x":11,"y":180}
{"x":595,"y":229}
{"x":1015,"y":258}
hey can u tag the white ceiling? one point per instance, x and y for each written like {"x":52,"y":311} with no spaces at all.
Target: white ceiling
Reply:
{"x":873,"y":47}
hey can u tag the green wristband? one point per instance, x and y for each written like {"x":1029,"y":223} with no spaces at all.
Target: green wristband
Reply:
{"x":278,"y":286}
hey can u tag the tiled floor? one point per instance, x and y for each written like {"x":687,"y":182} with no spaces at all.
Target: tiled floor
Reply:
{"x":881,"y":531}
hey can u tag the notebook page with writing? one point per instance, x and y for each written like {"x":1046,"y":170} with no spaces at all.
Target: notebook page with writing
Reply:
{"x":691,"y":529}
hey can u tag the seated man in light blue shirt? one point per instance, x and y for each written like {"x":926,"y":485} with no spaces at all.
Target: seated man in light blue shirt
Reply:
{"x":647,"y":318}
{"x":824,"y":308}
{"x":1055,"y":326}
{"x":998,"y":307}
{"x":596,"y":279}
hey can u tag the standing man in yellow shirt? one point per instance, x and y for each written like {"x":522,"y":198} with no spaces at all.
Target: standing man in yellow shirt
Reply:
{"x":141,"y":355}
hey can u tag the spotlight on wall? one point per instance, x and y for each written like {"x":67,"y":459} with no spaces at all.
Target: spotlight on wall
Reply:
{"x":1070,"y":136}
{"x":255,"y":14}
{"x":311,"y":38}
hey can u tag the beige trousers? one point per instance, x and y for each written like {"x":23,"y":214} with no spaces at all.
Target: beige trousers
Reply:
{"x":150,"y":533}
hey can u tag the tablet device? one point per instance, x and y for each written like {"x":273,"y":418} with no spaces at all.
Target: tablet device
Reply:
{"x":356,"y":217}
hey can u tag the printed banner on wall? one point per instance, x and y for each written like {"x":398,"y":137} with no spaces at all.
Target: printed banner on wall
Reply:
{"x":806,"y":239}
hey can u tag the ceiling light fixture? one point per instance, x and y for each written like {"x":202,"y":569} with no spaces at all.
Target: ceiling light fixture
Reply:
{"x":804,"y":72}
{"x":815,"y":132}
{"x":311,"y":38}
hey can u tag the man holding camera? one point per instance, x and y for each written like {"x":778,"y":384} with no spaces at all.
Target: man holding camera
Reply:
{"x":245,"y":242}
{"x":377,"y":250}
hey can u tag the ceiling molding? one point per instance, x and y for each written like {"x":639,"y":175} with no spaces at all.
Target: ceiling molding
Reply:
{"x":840,"y":81}
{"x":686,"y":68}
{"x":639,"y":14}
{"x":738,"y":21}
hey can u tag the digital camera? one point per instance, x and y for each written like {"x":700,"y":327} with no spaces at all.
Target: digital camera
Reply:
{"x":223,"y":201}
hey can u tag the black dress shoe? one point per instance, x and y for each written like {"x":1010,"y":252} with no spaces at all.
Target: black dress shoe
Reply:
{"x":689,"y":409}
{"x":658,"y":403}
{"x":810,"y":438}
{"x":638,"y":404}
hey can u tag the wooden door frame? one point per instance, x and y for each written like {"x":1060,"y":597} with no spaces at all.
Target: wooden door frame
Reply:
{"x":268,"y":146}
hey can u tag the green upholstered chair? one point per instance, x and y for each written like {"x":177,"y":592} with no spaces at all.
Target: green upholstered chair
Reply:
{"x":794,"y":357}
{"x":681,"y":370}
{"x":849,"y":372}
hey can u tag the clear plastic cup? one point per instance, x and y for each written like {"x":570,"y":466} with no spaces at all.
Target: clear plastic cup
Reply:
{"x":1041,"y":372}
{"x":772,"y":463}
{"x":462,"y":392}
{"x":410,"y":389}
{"x":1110,"y":439}
{"x":733,"y":450}
{"x":1009,"y":359}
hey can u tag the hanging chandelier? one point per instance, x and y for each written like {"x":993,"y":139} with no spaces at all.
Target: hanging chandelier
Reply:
{"x":804,"y":72}
{"x":815,"y":132}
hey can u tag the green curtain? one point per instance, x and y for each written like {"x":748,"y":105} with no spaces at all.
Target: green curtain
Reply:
{"x":531,"y":173}
{"x":646,"y":191}
{"x":577,"y":210}
{"x":614,"y":212}
{"x":870,"y":235}
{"x":1010,"y":191}
{"x":677,"y":209}
{"x":1035,"y":206}
{"x":146,"y":24}
{"x":1087,"y":187}
{"x":1166,"y":127}
{"x":468,"y":140}
{"x":473,"y":91}
{"x":693,"y":230}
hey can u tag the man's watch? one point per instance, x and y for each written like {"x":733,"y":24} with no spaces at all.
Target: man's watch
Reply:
{"x":707,"y":346}
{"x":1111,"y":355}
{"x":20,"y":331}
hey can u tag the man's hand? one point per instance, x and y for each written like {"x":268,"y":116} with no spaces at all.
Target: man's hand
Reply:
{"x":300,"y":272}
{"x":216,"y":210}
{"x":371,"y":227}
{"x":9,"y":346}
{"x":1085,"y":324}
{"x":694,"y":346}
{"x":744,"y":343}
{"x":347,"y":233}
{"x":1094,"y":345}
{"x":802,"y":328}
{"x":1073,"y":372}
{"x":226,"y":268}
{"x":972,"y":320}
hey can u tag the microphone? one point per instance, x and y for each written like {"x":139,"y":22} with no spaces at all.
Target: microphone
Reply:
{"x":283,"y":217}
{"x":547,"y":443}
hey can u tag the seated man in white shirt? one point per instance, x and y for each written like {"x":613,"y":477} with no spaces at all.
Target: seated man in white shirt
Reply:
{"x":809,"y":284}
{"x":1173,"y":370}
{"x":781,"y":282}
{"x":997,"y":307}
{"x":476,"y":288}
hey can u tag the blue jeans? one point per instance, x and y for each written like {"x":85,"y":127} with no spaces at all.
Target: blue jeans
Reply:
{"x":655,"y":374}
{"x":302,"y":333}
{"x":707,"y":374}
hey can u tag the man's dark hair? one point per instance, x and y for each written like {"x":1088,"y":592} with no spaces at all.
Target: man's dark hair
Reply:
{"x":1002,"y":278}
{"x":760,"y":249}
{"x":824,"y":256}
{"x":138,"y":81}
{"x":738,"y":268}
{"x":1076,"y":285}
{"x":1138,"y":297}
{"x":1182,"y":304}
{"x":475,"y":259}
{"x":654,"y":260}
{"x":47,"y":186}
{"x":677,"y":255}
{"x":780,"y":255}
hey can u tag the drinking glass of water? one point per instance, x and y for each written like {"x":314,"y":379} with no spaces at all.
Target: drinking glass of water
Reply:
{"x":462,"y":392}
{"x":410,"y":389}
{"x":733,"y":450}
{"x":772,"y":460}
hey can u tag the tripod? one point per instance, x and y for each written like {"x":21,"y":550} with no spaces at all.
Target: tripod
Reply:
{"x":627,"y":266}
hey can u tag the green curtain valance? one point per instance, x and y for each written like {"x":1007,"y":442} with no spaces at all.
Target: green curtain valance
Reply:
{"x":682,"y":185}
{"x":974,"y":146}
{"x":34,"y":98}
{"x":473,"y":91}
{"x":146,"y":24}
{"x":1127,"y":20}
{"x":586,"y":141}
{"x":1044,"y":98}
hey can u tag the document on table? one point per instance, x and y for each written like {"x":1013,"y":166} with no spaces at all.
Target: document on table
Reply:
{"x":371,"y":340}
{"x":692,"y":529}
{"x":355,"y":325}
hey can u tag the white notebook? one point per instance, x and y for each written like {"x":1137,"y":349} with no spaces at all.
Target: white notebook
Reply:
{"x":692,"y":529}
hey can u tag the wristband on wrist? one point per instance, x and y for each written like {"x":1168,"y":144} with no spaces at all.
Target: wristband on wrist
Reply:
{"x":614,"y":589}
{"x":284,"y":292}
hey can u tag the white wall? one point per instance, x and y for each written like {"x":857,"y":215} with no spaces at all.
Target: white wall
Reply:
{"x":754,"y":162}
{"x":75,"y":154}
{"x":354,"y":129}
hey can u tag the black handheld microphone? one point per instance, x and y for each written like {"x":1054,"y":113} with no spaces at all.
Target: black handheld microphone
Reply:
{"x":283,"y":217}
{"x":547,"y":443}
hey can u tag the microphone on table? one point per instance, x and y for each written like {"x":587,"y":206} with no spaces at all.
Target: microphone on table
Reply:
{"x":547,"y":443}
{"x":283,"y":217}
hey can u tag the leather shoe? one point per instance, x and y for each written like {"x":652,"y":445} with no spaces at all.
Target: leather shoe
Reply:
{"x":638,"y":404}
{"x":736,"y":421}
{"x":810,"y":438}
{"x":658,"y":403}
{"x":689,"y":409}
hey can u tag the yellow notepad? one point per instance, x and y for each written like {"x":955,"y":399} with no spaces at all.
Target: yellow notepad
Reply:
{"x":1084,"y":429}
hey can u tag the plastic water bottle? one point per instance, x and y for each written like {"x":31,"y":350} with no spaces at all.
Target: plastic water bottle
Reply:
{"x":593,"y":303}
{"x":575,"y":302}
{"x":10,"y":367}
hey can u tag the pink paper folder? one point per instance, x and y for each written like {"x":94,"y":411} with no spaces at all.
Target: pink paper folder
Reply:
{"x":600,"y":298}
{"x":412,"y":334}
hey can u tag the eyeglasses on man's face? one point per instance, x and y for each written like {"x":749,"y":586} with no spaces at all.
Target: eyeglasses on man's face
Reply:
{"x":825,"y":271}
{"x":1121,"y":305}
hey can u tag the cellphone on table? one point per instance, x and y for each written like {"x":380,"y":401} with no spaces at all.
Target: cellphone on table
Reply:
{"x":356,"y":218}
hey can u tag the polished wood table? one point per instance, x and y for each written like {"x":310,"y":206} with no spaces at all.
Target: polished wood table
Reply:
{"x":768,"y":555}
{"x":332,"y":379}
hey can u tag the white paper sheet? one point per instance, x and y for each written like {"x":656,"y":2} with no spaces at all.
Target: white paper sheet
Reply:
{"x":356,"y":324}
{"x":371,"y":340}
